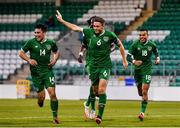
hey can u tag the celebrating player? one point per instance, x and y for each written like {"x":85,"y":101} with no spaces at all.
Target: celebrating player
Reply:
{"x":40,"y":49}
{"x":139,"y":55}
{"x":99,"y":48}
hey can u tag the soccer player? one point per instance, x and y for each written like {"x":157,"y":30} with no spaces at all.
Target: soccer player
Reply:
{"x":99,"y":48}
{"x":91,"y":98}
{"x":41,"y":63}
{"x":92,"y":95}
{"x":139,"y":55}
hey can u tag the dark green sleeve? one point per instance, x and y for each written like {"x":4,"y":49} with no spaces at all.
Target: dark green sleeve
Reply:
{"x":54,"y":46}
{"x":27,"y":46}
{"x":129,"y":58}
{"x":87,"y":32}
{"x":85,"y":42}
{"x":130,"y":55}
{"x":155,"y":50}
{"x":114,"y":38}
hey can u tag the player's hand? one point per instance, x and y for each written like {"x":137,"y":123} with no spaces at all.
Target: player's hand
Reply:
{"x":137,"y":62}
{"x":52,"y":63}
{"x":80,"y":59}
{"x":59,"y":16}
{"x":125,"y":64}
{"x":33,"y":62}
{"x":157,"y":61}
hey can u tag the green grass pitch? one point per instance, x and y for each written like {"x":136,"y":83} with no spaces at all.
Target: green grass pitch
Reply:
{"x":26,"y":113}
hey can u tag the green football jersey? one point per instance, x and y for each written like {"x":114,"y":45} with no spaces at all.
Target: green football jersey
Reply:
{"x":99,"y":47}
{"x":143,"y":52}
{"x":41,"y":52}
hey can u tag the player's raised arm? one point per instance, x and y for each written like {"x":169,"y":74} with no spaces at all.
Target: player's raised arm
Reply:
{"x":67,"y":24}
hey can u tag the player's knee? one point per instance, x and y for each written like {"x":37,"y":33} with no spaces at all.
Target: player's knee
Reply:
{"x":144,"y":93}
{"x":41,"y":96}
{"x":101,"y":91}
{"x":95,"y":90}
{"x":140,"y":93}
{"x":53,"y":97}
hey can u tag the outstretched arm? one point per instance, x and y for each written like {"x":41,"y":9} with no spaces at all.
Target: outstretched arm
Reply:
{"x":67,"y":24}
{"x":122,"y":51}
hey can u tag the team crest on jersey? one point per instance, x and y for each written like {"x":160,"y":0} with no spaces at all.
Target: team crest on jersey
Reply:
{"x":139,"y":48}
{"x":149,"y":48}
{"x":105,"y":38}
{"x":48,"y":47}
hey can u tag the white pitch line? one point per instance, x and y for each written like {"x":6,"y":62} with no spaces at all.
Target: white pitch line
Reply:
{"x":73,"y":116}
{"x":15,"y":118}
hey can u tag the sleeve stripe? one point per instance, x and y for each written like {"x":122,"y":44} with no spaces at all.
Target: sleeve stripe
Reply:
{"x":22,"y":50}
{"x":131,"y":55}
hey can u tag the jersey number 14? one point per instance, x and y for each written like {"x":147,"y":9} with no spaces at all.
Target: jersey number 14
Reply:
{"x":42,"y":52}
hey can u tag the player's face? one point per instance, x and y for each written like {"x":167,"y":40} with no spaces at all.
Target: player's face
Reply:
{"x":143,"y":36}
{"x":98,"y":27}
{"x":39,"y":34}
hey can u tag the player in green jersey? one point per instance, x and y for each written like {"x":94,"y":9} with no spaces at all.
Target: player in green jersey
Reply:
{"x":41,"y":63}
{"x":139,"y":55}
{"x":99,"y":48}
{"x":92,"y":97}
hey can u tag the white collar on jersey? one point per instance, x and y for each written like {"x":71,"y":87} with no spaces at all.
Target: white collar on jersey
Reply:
{"x":146,"y":42}
{"x":43,"y":40}
{"x":102,"y":33}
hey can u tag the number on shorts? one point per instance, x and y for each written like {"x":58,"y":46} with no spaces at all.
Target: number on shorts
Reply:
{"x":52,"y":80}
{"x":148,"y":77}
{"x":105,"y":73}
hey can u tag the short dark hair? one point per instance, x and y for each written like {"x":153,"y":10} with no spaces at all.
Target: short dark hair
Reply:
{"x":99,"y":19}
{"x":41,"y":26}
{"x":143,"y":29}
{"x":90,"y":20}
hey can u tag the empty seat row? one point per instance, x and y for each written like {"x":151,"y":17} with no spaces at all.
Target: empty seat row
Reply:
{"x":21,"y":35}
{"x":113,"y":11}
{"x":154,"y":35}
{"x":31,"y":18}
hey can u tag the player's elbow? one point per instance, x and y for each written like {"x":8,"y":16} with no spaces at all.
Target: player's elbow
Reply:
{"x":20,"y":53}
{"x":74,"y":29}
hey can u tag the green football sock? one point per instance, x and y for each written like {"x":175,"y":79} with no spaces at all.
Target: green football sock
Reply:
{"x":88,"y":101}
{"x":89,"y":97}
{"x":143,"y":106}
{"x":92,"y":99}
{"x":102,"y":103}
{"x":54,"y":108}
